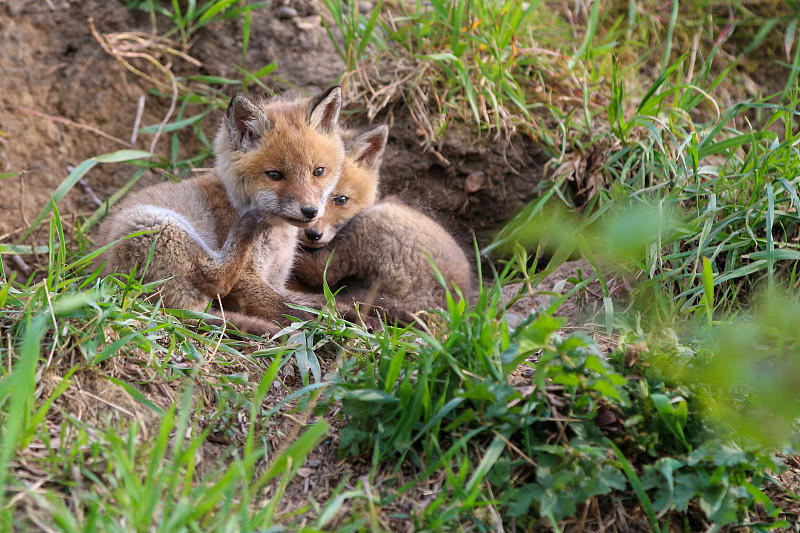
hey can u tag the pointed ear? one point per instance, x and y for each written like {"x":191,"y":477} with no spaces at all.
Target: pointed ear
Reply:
{"x":367,"y":147}
{"x":246,"y":122}
{"x":324,"y":115}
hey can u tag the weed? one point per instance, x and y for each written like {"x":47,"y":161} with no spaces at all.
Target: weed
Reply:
{"x":541,"y":446}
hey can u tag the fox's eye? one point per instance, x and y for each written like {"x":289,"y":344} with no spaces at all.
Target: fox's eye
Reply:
{"x":340,"y":200}
{"x":274,"y":175}
{"x":319,"y":171}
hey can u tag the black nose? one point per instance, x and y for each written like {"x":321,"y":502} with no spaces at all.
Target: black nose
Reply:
{"x":313,"y":234}
{"x":309,"y":211}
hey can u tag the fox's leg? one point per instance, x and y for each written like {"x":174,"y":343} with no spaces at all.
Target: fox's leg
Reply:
{"x":371,"y":302}
{"x":251,"y":295}
{"x":258,"y":300}
{"x":249,"y":324}
{"x":198,"y":271}
{"x":217,"y":276}
{"x":310,"y":266}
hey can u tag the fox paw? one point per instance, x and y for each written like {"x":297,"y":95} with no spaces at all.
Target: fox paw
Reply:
{"x":250,"y":220}
{"x":249,"y":324}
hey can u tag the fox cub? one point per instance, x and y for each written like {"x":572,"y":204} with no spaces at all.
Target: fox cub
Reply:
{"x":277,"y":162}
{"x":379,"y":253}
{"x":357,"y":188}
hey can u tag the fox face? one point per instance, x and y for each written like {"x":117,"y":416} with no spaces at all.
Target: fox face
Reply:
{"x":357,"y":189}
{"x":280,"y":155}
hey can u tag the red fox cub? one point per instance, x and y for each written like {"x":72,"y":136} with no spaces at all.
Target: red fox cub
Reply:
{"x":277,"y":162}
{"x":380,"y":254}
{"x":356,"y":190}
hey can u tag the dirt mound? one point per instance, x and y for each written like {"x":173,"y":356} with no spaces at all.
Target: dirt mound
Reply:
{"x":52,"y":65}
{"x":63,"y":99}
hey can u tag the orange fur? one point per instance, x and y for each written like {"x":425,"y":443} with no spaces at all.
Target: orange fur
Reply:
{"x":358,"y":185}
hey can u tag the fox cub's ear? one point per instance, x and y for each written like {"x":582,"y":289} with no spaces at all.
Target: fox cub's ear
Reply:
{"x":324,"y":115}
{"x":246,"y":122}
{"x":367,"y":147}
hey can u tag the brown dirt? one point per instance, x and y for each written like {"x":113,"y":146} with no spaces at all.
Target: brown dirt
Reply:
{"x":470,"y":186}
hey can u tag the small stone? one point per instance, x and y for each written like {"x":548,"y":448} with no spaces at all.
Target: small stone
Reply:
{"x":286,"y":12}
{"x":475,"y":181}
{"x":313,"y":463}
{"x":365,"y":8}
{"x":308,"y":23}
{"x":304,"y":472}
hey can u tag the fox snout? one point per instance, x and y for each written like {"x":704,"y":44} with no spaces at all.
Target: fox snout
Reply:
{"x":309,"y":211}
{"x":304,"y":214}
{"x":313,"y":234}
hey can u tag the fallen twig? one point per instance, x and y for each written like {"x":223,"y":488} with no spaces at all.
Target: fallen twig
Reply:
{"x":138,"y":120}
{"x":22,"y":265}
{"x":90,"y":193}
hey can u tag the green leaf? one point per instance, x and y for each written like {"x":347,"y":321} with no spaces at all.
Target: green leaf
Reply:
{"x":215,"y":9}
{"x":213,"y":80}
{"x":137,"y":395}
{"x":708,"y":148}
{"x":370,"y":396}
{"x":121,"y":156}
{"x":22,"y":249}
{"x":177,"y":125}
{"x":487,"y":462}
{"x":708,"y":289}
{"x":266,"y":69}
{"x":636,"y":484}
{"x":777,"y":255}
{"x":111,"y":350}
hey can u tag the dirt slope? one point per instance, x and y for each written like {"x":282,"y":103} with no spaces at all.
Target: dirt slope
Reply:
{"x":53,"y":66}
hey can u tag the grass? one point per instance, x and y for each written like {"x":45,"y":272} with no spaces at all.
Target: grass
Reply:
{"x":116,"y":413}
{"x":445,"y":54}
{"x":130,"y":455}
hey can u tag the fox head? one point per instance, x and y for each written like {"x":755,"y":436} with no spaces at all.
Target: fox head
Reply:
{"x":281,"y":155}
{"x":357,"y":189}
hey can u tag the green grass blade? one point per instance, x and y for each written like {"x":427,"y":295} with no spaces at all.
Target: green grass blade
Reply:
{"x":637,"y":486}
{"x":73,"y":177}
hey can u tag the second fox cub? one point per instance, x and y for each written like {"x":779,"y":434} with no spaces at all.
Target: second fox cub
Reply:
{"x":378,"y":253}
{"x":277,"y":161}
